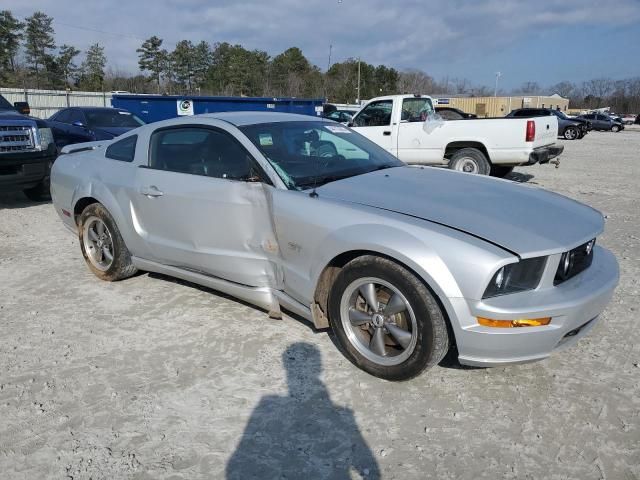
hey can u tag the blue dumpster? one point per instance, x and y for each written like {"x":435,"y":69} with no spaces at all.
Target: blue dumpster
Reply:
{"x":153,"y":108}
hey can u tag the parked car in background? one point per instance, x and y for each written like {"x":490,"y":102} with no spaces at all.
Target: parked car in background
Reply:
{"x":450,"y":113}
{"x":291,"y":212}
{"x":405,"y":126}
{"x":27,"y":151}
{"x":340,"y":116}
{"x":90,"y":124}
{"x":603,"y":122}
{"x":628,"y":119}
{"x":569,"y":128}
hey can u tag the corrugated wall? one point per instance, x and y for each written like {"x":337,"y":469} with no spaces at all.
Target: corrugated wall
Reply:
{"x":45,"y":103}
{"x":501,"y":106}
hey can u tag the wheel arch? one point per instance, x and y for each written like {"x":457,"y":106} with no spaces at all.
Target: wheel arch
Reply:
{"x":332,"y":268}
{"x":453,"y":147}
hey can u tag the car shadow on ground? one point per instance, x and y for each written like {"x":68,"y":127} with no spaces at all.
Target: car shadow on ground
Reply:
{"x":17,"y":200}
{"x":211,"y":291}
{"x":520,"y":177}
{"x":302,"y":434}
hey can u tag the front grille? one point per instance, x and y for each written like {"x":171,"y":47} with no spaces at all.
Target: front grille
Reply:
{"x":574,"y":261}
{"x":16,"y":138}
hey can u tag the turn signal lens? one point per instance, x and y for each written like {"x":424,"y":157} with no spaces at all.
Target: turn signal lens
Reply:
{"x":521,"y":322}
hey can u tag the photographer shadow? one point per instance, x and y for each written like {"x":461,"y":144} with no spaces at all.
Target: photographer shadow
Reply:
{"x":302,"y":434}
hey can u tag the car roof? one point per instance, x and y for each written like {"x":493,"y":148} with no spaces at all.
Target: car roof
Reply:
{"x":240,"y":119}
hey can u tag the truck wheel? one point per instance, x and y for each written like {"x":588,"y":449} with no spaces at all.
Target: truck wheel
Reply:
{"x":470,"y":160}
{"x":500,"y":171}
{"x":39,"y":193}
{"x":102,"y":245}
{"x":571,"y":133}
{"x":386,"y":320}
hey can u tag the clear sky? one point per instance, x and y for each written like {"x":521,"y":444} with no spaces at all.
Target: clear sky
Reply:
{"x":544,"y":41}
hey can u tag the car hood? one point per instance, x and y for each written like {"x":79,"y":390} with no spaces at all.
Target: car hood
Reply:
{"x":525,"y":220}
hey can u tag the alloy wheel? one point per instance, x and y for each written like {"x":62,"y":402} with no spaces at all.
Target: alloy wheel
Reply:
{"x":98,"y":243}
{"x":379,"y":321}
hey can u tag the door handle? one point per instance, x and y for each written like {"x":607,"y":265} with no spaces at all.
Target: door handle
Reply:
{"x":386,"y":133}
{"x":151,"y":191}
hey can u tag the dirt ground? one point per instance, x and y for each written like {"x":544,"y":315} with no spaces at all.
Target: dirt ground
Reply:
{"x":153,"y":378}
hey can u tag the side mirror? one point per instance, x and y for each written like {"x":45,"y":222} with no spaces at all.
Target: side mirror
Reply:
{"x":350,"y":124}
{"x":22,"y":107}
{"x":78,"y":123}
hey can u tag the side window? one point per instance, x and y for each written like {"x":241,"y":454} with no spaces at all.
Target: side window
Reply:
{"x":201,"y":151}
{"x":77,"y":116}
{"x":62,"y":116}
{"x":123,"y":150}
{"x":416,"y":109}
{"x":376,"y":114}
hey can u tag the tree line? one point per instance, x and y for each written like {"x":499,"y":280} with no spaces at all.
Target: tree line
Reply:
{"x":30,"y":58}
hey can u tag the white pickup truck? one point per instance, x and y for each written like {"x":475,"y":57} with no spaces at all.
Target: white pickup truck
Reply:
{"x":405,"y":125}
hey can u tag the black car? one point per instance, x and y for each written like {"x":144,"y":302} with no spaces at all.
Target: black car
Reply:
{"x":27,"y":151}
{"x":601,"y":121}
{"x":90,"y":124}
{"x":450,"y":113}
{"x":569,"y":128}
{"x":637,"y":122}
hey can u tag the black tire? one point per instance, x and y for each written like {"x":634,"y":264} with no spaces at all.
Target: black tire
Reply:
{"x":121,"y":266}
{"x":571,"y":133}
{"x":432,"y":339}
{"x":615,"y":129}
{"x":470,"y":160}
{"x":40,"y":193}
{"x":500,"y":171}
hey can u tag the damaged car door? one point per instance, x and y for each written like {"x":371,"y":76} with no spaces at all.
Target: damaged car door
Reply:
{"x":201,"y":205}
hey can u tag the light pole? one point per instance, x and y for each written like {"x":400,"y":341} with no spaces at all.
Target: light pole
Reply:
{"x":495,"y":92}
{"x":358,"y":101}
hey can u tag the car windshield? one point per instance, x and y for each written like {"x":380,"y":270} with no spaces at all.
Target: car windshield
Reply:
{"x":112,"y":118}
{"x":310,"y":154}
{"x":560,"y":114}
{"x":4,"y":104}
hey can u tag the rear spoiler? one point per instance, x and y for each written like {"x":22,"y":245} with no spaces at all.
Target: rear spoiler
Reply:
{"x":83,"y":147}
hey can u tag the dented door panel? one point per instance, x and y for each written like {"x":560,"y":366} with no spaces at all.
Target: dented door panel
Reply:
{"x":214,"y":226}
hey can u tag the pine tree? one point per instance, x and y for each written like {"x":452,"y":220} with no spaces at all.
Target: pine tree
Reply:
{"x":10,"y":36}
{"x":92,"y":68}
{"x":153,"y":58}
{"x":39,"y":42}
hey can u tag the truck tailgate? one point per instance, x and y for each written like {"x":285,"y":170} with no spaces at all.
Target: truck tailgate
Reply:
{"x":546,"y":131}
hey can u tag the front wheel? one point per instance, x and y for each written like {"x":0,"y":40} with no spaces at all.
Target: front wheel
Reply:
{"x":470,"y":160}
{"x":571,"y":133}
{"x":615,"y":129}
{"x":386,"y":320}
{"x":102,"y":245}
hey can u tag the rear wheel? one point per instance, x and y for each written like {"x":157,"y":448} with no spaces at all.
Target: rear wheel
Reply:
{"x":571,"y":133}
{"x":500,"y":171}
{"x":102,"y":245}
{"x":470,"y":160}
{"x":386,"y":320}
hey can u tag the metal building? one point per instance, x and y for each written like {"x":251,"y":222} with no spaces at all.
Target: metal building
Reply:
{"x":501,"y":106}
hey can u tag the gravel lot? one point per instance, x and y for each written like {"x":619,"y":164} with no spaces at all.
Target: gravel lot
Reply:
{"x":154,"y":378}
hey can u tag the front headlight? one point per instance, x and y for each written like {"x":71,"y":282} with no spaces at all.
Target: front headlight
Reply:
{"x":46,"y":138}
{"x":516,"y":277}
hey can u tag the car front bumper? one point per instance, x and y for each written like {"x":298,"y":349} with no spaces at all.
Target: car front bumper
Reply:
{"x":574,"y":307}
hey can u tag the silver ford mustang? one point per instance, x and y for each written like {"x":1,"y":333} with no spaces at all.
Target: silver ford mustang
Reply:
{"x":292,"y":212}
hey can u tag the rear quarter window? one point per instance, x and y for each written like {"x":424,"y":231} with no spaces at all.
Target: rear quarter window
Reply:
{"x":123,"y":150}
